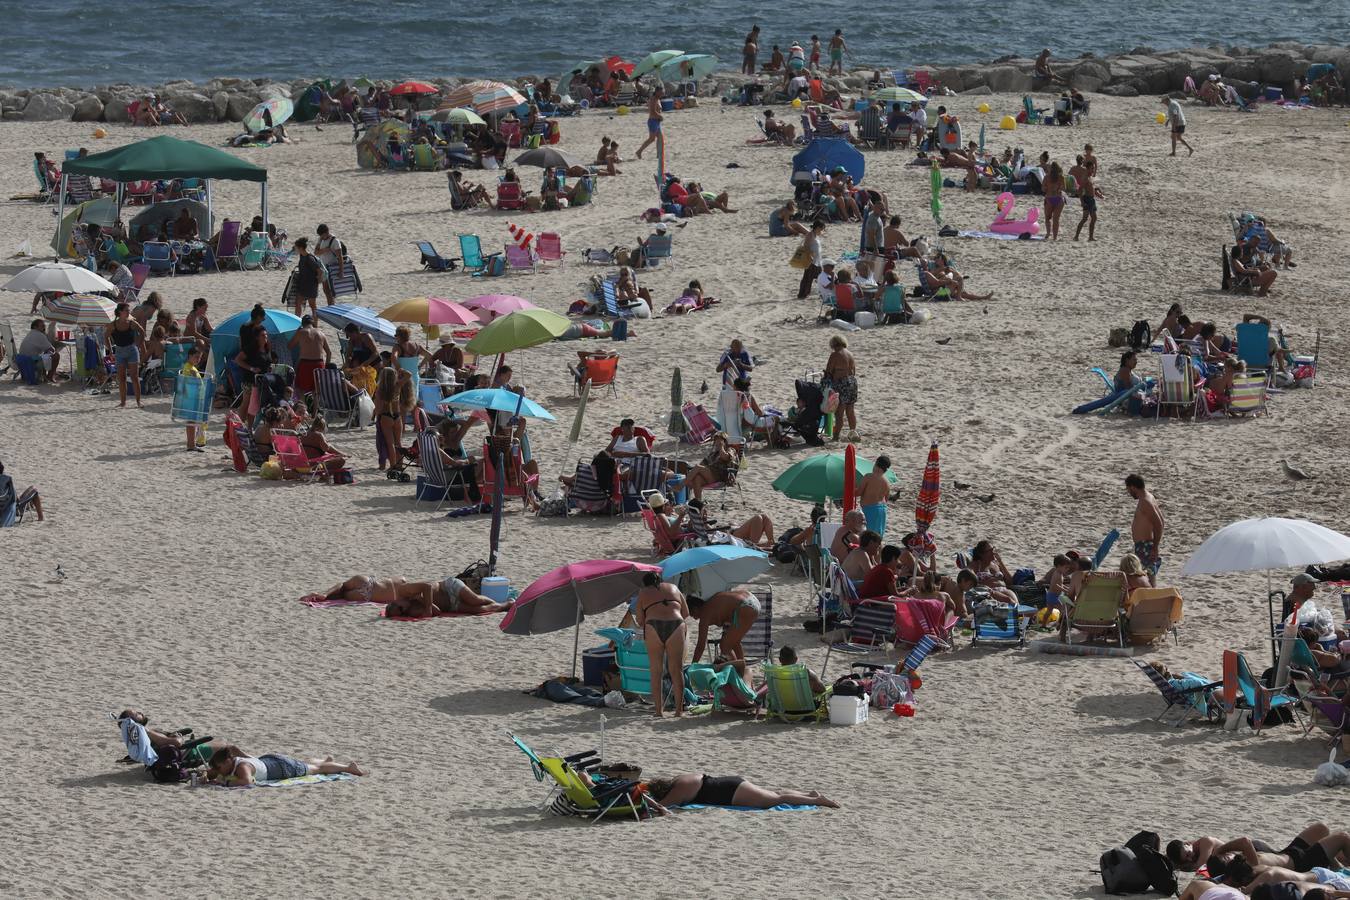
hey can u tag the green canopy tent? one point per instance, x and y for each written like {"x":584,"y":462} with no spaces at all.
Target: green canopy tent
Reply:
{"x":165,"y":158}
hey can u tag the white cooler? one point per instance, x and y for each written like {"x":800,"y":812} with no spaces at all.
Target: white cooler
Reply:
{"x":848,"y":710}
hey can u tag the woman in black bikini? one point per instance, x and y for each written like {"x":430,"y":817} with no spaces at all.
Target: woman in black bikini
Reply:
{"x":727,"y":790}
{"x":125,"y":337}
{"x":661,"y":612}
{"x":252,"y":360}
{"x":389,"y":415}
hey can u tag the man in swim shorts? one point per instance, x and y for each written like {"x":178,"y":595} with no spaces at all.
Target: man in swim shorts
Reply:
{"x":654,"y":118}
{"x":837,"y":48}
{"x":1147,"y":527}
{"x":873,"y":491}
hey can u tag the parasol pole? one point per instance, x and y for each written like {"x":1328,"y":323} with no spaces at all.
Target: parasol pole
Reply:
{"x":576,"y":634}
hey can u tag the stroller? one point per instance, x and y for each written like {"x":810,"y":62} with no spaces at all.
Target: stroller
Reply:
{"x":809,"y":410}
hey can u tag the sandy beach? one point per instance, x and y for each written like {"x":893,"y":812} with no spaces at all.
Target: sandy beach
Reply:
{"x":182,"y":577}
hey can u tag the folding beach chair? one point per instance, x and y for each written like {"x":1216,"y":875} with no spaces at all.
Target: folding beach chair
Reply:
{"x":138,"y":193}
{"x":1177,"y":388}
{"x":613,"y":307}
{"x":1033,"y":112}
{"x":250,"y":453}
{"x":294,"y":460}
{"x":433,"y":469}
{"x":79,"y":189}
{"x":656,"y":248}
{"x":870,"y":629}
{"x":600,"y":373}
{"x":337,"y":406}
{"x":227,"y":248}
{"x":1197,"y":700}
{"x":510,"y":196}
{"x":1154,"y":614}
{"x":519,"y":259}
{"x":433,"y":260}
{"x":159,"y":256}
{"x":1248,"y":395}
{"x":1098,"y":609}
{"x":1327,"y":713}
{"x":664,"y":541}
{"x":424,"y":158}
{"x":789,"y":695}
{"x":576,"y":792}
{"x":192,"y":398}
{"x":586,"y":494}
{"x":1253,"y":346}
{"x":645,"y":475}
{"x":343,"y":278}
{"x":139,"y":272}
{"x":700,"y":425}
{"x":872,"y":129}
{"x":548,"y":245}
{"x":999,"y":624}
{"x":471,"y":254}
{"x":514,"y":486}
{"x":1241,"y":690}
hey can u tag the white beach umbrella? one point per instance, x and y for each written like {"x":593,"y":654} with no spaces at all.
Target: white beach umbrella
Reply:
{"x":60,"y":278}
{"x":1268,"y":543}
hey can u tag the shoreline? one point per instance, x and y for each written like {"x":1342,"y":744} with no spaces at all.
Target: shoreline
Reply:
{"x":1140,"y":71}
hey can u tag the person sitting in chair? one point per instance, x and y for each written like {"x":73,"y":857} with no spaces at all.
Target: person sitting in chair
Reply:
{"x":12,"y":505}
{"x":777,"y":130}
{"x":36,"y":344}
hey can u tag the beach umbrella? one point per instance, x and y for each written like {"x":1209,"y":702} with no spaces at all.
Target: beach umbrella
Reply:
{"x":655,"y":60}
{"x":930,"y":492}
{"x":687,"y":67}
{"x":981,"y":137}
{"x":526,"y":328}
{"x":278,"y":324}
{"x":1252,"y":545}
{"x":363,"y":82}
{"x":429,"y":311}
{"x":498,"y":400}
{"x":493,"y":306}
{"x":617,"y":64}
{"x":279,"y":109}
{"x":165,"y":211}
{"x":463,"y":95}
{"x":497,"y":99}
{"x":676,"y":425}
{"x":898,"y":95}
{"x":569,"y":593}
{"x":574,"y":435}
{"x":57,"y":278}
{"x":79,"y":309}
{"x":935,"y":188}
{"x":543,"y":157}
{"x":102,"y":211}
{"x":821,"y":477}
{"x":457,"y":116}
{"x":719,"y":567}
{"x":414,"y":88}
{"x":661,"y":169}
{"x":850,"y":484}
{"x":340,"y":315}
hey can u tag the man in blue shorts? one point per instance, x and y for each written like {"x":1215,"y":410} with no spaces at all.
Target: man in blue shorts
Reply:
{"x":654,"y":119}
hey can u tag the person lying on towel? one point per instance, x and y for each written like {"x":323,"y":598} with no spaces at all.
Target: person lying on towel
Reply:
{"x":415,"y":599}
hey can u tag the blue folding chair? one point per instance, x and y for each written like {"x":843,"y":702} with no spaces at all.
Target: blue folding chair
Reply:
{"x":433,"y":260}
{"x":159,"y":256}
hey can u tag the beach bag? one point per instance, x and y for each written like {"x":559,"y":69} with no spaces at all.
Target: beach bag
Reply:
{"x":849,"y":686}
{"x":831,"y":402}
{"x":1122,"y":873}
{"x":801,"y":257}
{"x":1141,"y":335}
{"x":344,"y":476}
{"x":365,"y":409}
{"x":889,"y":689}
{"x":271,"y":470}
{"x":171,"y":767}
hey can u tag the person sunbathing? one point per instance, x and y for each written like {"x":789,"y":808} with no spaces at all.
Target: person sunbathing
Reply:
{"x":847,"y":535}
{"x":988,"y":566}
{"x":894,"y":243}
{"x":414,"y":599}
{"x":735,"y":611}
{"x":315,"y":444}
{"x":1319,"y":884}
{"x":1315,"y":845}
{"x":782,"y":223}
{"x":232,"y":766}
{"x":627,"y":291}
{"x":928,"y":588}
{"x":780,"y":130}
{"x":1136,"y":576}
{"x":967,"y":583}
{"x":755,"y":420}
{"x":607,"y":157}
{"x":864,"y":558}
{"x":162,"y":739}
{"x":960,"y":160}
{"x":701,"y":201}
{"x":627,"y":442}
{"x":726,"y":790}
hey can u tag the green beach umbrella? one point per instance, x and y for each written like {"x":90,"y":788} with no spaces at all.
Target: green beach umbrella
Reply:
{"x":898,"y":95}
{"x":677,"y":425}
{"x":820,"y":478}
{"x":518,"y":330}
{"x":935,"y":202}
{"x":688,"y":67}
{"x":460,"y":116}
{"x":654,"y":61}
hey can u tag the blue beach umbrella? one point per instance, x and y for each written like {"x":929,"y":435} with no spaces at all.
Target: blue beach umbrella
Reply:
{"x":498,"y":400}
{"x":828,"y":154}
{"x":719,"y":567}
{"x":278,"y":323}
{"x":340,"y":315}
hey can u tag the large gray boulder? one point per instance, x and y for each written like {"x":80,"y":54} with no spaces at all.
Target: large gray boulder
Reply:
{"x":274,"y":90}
{"x":44,"y":107}
{"x":115,"y":107}
{"x":1008,"y":80}
{"x":1120,"y":90}
{"x":88,"y":109}
{"x":1090,"y":75}
{"x":977,"y":91}
{"x":953,"y":78}
{"x":1277,"y":66}
{"x":238,"y":106}
{"x":221,"y":102}
{"x":1244,"y":69}
{"x":195,"y":107}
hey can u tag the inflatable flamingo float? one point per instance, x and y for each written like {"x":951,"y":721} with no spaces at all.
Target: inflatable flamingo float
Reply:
{"x":1004,"y":225}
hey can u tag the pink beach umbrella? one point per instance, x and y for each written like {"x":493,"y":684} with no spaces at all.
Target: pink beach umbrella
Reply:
{"x":448,"y":312}
{"x":569,"y":593}
{"x":494,"y":306}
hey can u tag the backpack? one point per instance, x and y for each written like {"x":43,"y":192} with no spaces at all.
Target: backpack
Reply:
{"x":849,"y":686}
{"x":1122,"y":873}
{"x":1141,"y":335}
{"x":171,"y":767}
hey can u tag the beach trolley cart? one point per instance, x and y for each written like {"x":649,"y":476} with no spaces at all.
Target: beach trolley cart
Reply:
{"x":192,"y":399}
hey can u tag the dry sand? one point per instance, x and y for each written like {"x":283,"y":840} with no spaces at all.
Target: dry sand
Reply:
{"x":1019,"y":768}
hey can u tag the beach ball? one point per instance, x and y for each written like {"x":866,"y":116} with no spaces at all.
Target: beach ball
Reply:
{"x":622,"y":110}
{"x":100,"y":132}
{"x":1008,"y":123}
{"x":984,"y":107}
{"x":1160,"y":118}
{"x":797,"y":103}
{"x":1047,"y":616}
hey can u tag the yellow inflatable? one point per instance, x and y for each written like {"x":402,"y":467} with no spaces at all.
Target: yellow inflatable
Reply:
{"x":100,"y":132}
{"x":622,"y":110}
{"x":1008,"y":123}
{"x":797,"y":103}
{"x":984,"y":107}
{"x":1047,"y":616}
{"x":1160,"y":118}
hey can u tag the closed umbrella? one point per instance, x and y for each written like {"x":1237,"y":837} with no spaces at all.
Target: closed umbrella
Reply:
{"x":655,"y":60}
{"x":899,"y":95}
{"x":278,"y":109}
{"x":544,"y":157}
{"x":574,"y":434}
{"x":497,"y":99}
{"x":414,"y":88}
{"x":526,"y":328}
{"x":930,"y":492}
{"x":57,"y":278}
{"x":676,"y":425}
{"x":688,"y":67}
{"x":1268,"y":543}
{"x":340,"y":315}
{"x":569,"y":593}
{"x":79,"y":309}
{"x":498,"y":400}
{"x":719,"y":567}
{"x":850,"y":484}
{"x":821,"y":477}
{"x":457,"y":116}
{"x":494,"y":306}
{"x":429,"y":311}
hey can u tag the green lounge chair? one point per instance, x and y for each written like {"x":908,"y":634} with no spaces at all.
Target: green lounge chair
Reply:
{"x":789,"y":695}
{"x":1098,"y":609}
{"x":577,"y":793}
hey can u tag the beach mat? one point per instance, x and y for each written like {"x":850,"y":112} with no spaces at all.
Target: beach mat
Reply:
{"x":998,"y":236}
{"x":1053,"y":647}
{"x":319,"y":601}
{"x":302,"y":781}
{"x":782,"y":807}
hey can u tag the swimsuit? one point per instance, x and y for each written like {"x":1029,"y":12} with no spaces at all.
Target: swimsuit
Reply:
{"x":1054,"y":200}
{"x":653,"y":126}
{"x":750,"y":602}
{"x":846,"y":388}
{"x":876,"y":517}
{"x":1089,"y":203}
{"x":717,"y":790}
{"x":453,"y":586}
{"x":1144,"y":550}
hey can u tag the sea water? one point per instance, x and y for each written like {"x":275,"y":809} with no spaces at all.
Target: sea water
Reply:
{"x":81,"y":43}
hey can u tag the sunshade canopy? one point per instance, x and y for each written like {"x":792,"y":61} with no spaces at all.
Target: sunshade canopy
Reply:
{"x":165,"y":157}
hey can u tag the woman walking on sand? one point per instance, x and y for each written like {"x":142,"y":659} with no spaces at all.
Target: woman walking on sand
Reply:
{"x":1053,"y":185}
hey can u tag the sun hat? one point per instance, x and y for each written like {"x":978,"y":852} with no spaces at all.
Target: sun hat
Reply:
{"x":655,"y":501}
{"x":827,"y":263}
{"x":445,"y":339}
{"x":660,"y":226}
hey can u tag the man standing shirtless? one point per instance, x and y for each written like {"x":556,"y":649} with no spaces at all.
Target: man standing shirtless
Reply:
{"x":654,"y":118}
{"x":1147,"y":527}
{"x":1084,"y":173}
{"x":873,"y":491}
{"x":314,"y":354}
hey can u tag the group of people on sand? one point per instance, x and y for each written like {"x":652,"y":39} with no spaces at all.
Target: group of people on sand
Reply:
{"x":1312,"y":866}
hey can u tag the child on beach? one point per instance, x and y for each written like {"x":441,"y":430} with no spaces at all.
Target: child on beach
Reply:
{"x":196,"y":434}
{"x":815,"y":51}
{"x":1062,"y":568}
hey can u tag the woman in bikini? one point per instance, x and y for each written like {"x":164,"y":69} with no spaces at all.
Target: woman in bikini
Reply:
{"x":841,"y":375}
{"x":389,"y":416}
{"x":661,"y":611}
{"x":415,"y":598}
{"x":726,"y":790}
{"x":1053,"y":185}
{"x":735,"y":611}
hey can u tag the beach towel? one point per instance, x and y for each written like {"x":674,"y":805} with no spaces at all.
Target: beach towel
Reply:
{"x":287,"y":782}
{"x":137,"y":742}
{"x":319,"y":601}
{"x":998,"y":236}
{"x":782,"y":807}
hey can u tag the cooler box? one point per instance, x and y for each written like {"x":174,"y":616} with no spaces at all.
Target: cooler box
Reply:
{"x":1274,"y":94}
{"x":667,"y":105}
{"x":594,"y":662}
{"x":865,"y":319}
{"x":848,"y":710}
{"x":496,"y":588}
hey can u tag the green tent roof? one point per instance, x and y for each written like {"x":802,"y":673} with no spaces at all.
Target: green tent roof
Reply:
{"x":164,"y":158}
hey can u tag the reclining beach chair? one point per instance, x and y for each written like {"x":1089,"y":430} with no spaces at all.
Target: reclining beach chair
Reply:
{"x":192,"y":398}
{"x":577,"y":793}
{"x":613,"y":307}
{"x":434,"y":475}
{"x":337,"y":406}
{"x":1197,"y":700}
{"x":471,"y":254}
{"x":424,"y":158}
{"x":1099,"y":607}
{"x":1241,"y":690}
{"x":1154,"y":613}
{"x":700,"y":424}
{"x":513,"y":486}
{"x":79,"y":189}
{"x":433,"y":260}
{"x":227,"y":248}
{"x":664,"y":541}
{"x":645,"y":475}
{"x":656,"y":248}
{"x":344,"y":279}
{"x":294,"y":460}
{"x":1177,"y":389}
{"x":869,"y":630}
{"x":250,"y":453}
{"x":998,"y":624}
{"x":601,"y":373}
{"x":872,"y":129}
{"x":788,"y":696}
{"x":1327,"y":713}
{"x":160,"y":257}
{"x":586,"y":494}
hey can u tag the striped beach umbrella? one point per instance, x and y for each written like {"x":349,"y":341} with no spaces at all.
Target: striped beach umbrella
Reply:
{"x":279,"y":109}
{"x":898,"y":95}
{"x":463,"y":95}
{"x":930,"y":492}
{"x":79,"y":309}
{"x":498,"y":99}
